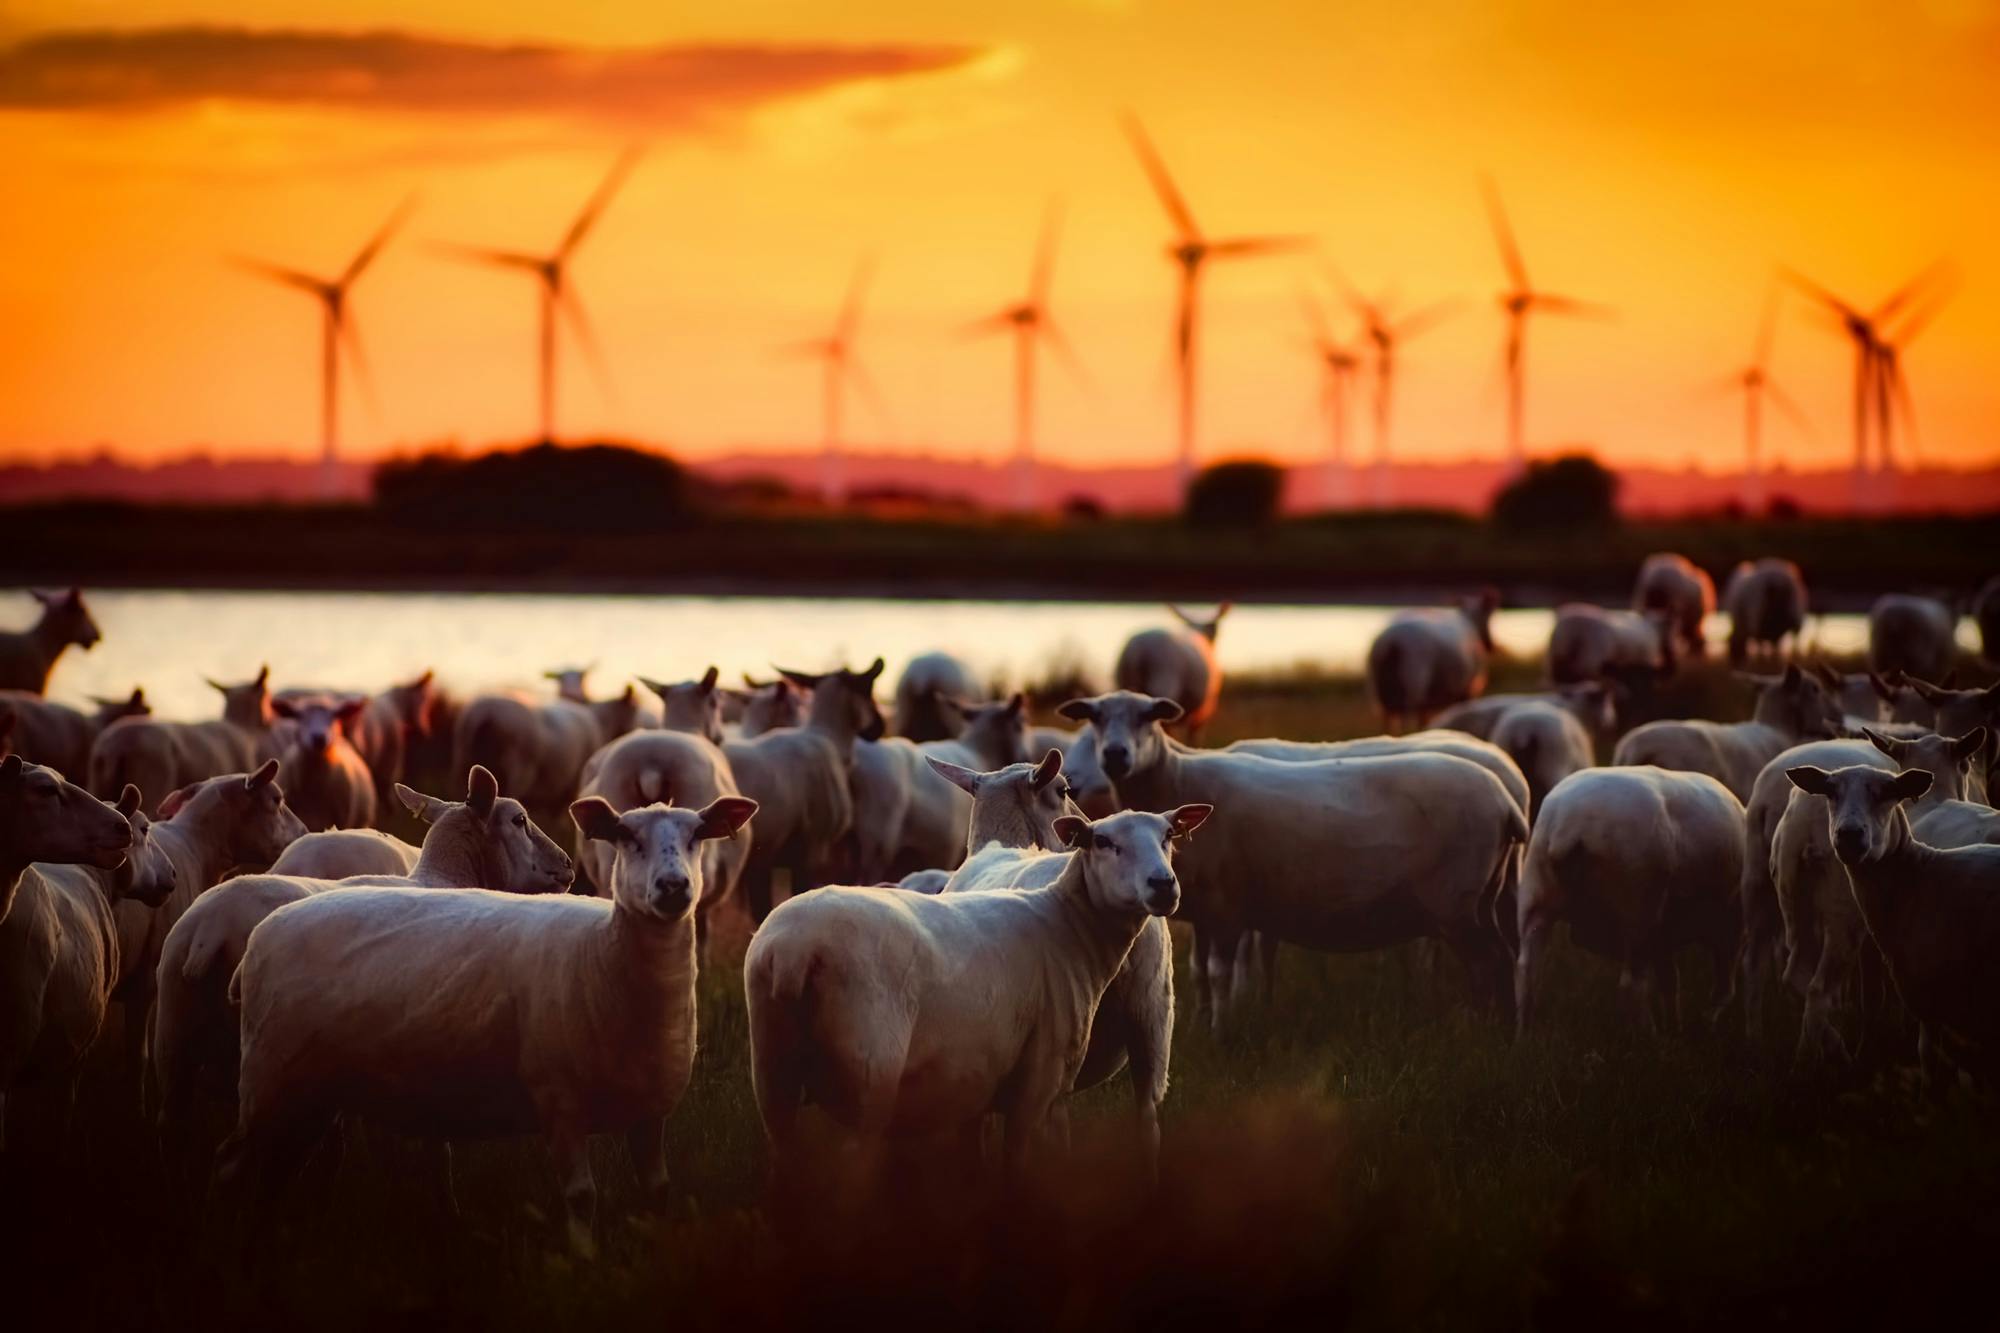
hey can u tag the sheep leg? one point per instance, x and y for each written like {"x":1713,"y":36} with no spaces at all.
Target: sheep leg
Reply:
{"x":572,"y":1153}
{"x":647,"y":1143}
{"x":1818,"y":1037}
{"x":1527,"y":971}
{"x":1243,"y":970}
{"x":1204,"y":1003}
{"x":1031,"y":1117}
{"x":1220,"y":964}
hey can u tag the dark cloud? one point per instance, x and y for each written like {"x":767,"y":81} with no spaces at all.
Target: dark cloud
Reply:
{"x":396,"y":71}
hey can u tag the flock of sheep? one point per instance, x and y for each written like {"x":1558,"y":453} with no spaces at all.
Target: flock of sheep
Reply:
{"x":970,"y":915}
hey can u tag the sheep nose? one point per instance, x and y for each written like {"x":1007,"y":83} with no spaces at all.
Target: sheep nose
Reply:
{"x":1161,"y":883}
{"x":671,"y":884}
{"x":1163,"y":893}
{"x":1117,"y":760}
{"x":1850,"y":843}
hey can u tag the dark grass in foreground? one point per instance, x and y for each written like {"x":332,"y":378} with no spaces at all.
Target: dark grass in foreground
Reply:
{"x":1367,"y":1150}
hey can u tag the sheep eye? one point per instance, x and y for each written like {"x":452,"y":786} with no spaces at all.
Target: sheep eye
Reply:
{"x":520,"y":821}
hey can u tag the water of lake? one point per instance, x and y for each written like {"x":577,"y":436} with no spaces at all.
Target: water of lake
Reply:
{"x":168,"y":641}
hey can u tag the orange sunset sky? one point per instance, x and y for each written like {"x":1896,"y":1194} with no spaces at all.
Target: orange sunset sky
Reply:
{"x":1661,"y":158}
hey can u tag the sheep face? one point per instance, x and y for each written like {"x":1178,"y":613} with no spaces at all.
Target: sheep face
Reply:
{"x":1040,"y":792}
{"x":247,"y":704}
{"x":1128,"y":726}
{"x":569,"y":682}
{"x":322,"y":722}
{"x":258,"y":824}
{"x":510,"y":850}
{"x":45,"y":818}
{"x":147,"y":875}
{"x":656,"y":872}
{"x":843,"y":700}
{"x":693,"y":706}
{"x":1128,"y":858}
{"x":110,"y":710}
{"x":1959,"y":711}
{"x":70,"y":616}
{"x":1862,"y":803}
{"x":771,"y":704}
{"x":1800,"y":704}
{"x":1949,"y":761}
{"x":998,"y":731}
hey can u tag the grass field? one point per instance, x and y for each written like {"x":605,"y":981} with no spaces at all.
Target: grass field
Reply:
{"x":1368,"y":1150}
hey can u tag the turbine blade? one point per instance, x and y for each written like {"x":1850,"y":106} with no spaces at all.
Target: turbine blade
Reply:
{"x":1921,"y":317}
{"x":586,"y":338}
{"x":1243,"y":246}
{"x":1051,"y":333}
{"x":1790,"y":408}
{"x":1043,"y":273}
{"x":1767,"y":327}
{"x":871,"y":395}
{"x":290,"y":277}
{"x":987,"y":326}
{"x":1910,"y":289}
{"x":594,"y":209}
{"x":1819,"y":293}
{"x":477,"y":254}
{"x":1569,"y":305}
{"x":1163,"y":184}
{"x":850,"y":307}
{"x":1423,"y":321}
{"x":1351,"y":294}
{"x":817,"y":348}
{"x":1503,"y":235}
{"x":1315,"y":320}
{"x":380,"y":239}
{"x":357,"y":357}
{"x":1898,"y":388}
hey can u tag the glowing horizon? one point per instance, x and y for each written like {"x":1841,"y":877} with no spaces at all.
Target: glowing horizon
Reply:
{"x":1664,"y":165}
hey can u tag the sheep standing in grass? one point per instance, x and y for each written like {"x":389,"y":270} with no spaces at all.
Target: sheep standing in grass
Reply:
{"x":1590,"y":643}
{"x":1429,"y":658}
{"x":1548,"y":743}
{"x":1914,"y":635}
{"x":339,"y":853}
{"x":65,"y":859}
{"x":799,"y":777}
{"x":1681,"y":592}
{"x":1436,"y":741}
{"x":326,"y":780}
{"x":1766,"y":605}
{"x":1642,"y":863}
{"x":537,"y":748}
{"x":474,"y":1014}
{"x":1823,"y":927}
{"x":1342,"y":855}
{"x":1013,"y":844}
{"x":27,"y":656}
{"x":906,"y":817}
{"x":1178,"y":665}
{"x":162,"y":757}
{"x":485,"y":842}
{"x":1930,"y":911}
{"x":1791,"y":708}
{"x":923,"y":695}
{"x":898,"y":1013}
{"x":57,"y":736}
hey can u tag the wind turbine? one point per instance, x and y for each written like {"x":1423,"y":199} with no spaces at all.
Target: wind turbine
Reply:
{"x":556,"y":292}
{"x":1338,"y":364}
{"x":336,"y":328}
{"x":1518,"y":302}
{"x":1189,"y":252}
{"x":1031,"y":324}
{"x":1756,"y":383}
{"x":1892,"y":390}
{"x":839,"y":365}
{"x":1872,"y":396}
{"x":1384,"y":333}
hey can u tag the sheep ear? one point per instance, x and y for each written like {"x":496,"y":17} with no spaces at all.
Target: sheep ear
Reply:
{"x":1072,"y":830}
{"x":266,"y":774}
{"x":964,"y":779}
{"x":426,"y":808}
{"x":1911,"y":783}
{"x":1017,"y":704}
{"x":1815,"y":781}
{"x":10,"y":768}
{"x":755,"y":684}
{"x":657,"y":687}
{"x":1792,"y":677}
{"x":215,"y":684}
{"x":284,"y":708}
{"x":1165,"y":710}
{"x":1883,"y":689}
{"x":1078,"y":710}
{"x":349,"y":710}
{"x":721,"y":817}
{"x":129,"y":801}
{"x":1049,"y":769}
{"x":482,"y":789}
{"x":1971,"y":743}
{"x":1187,"y":818}
{"x":598,"y":821}
{"x":803,"y":679}
{"x":176,"y":799}
{"x":1827,"y":674}
{"x":263,"y":676}
{"x":1883,"y":743}
{"x":708,"y":679}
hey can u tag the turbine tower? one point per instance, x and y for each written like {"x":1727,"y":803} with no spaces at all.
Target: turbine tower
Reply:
{"x":1517,"y":303}
{"x":1189,"y":252}
{"x":1385,"y":332}
{"x":1755,"y":383}
{"x":1031,"y":324}
{"x":1338,"y":365}
{"x":336,"y":330}
{"x":557,"y":293}
{"x":840,"y":366}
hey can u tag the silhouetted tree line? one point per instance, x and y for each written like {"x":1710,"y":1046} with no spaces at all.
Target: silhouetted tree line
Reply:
{"x":601,"y":488}
{"x":1574,"y":491}
{"x":1240,"y":493}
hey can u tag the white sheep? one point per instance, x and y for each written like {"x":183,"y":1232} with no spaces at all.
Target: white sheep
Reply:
{"x":1914,"y":635}
{"x":384,"y":726}
{"x":160,"y":757}
{"x":1791,"y":708}
{"x":1548,"y":744}
{"x":537,"y":747}
{"x":1089,"y":788}
{"x":799,"y":777}
{"x":1590,"y":643}
{"x":691,"y":705}
{"x":339,"y":853}
{"x":1177,"y":664}
{"x":923,"y":691}
{"x":1343,"y":855}
{"x":1641,"y":863}
{"x":766,"y":706}
{"x":1823,"y":927}
{"x":1012,"y":843}
{"x":1929,"y":910}
{"x":1594,"y":703}
{"x":27,"y":656}
{"x":906,"y":818}
{"x":57,"y":736}
{"x":1429,"y":658}
{"x":899,"y":1013}
{"x":326,"y":781}
{"x":1486,"y":754}
{"x":1681,"y":591}
{"x":65,"y":859}
{"x":472,"y":1014}
{"x":485,"y":842}
{"x":1766,"y":605}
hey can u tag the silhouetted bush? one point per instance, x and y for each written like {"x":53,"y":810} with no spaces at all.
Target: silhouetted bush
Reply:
{"x":1240,"y":493}
{"x":1574,"y":491}
{"x":1083,"y":509}
{"x":597,"y":488}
